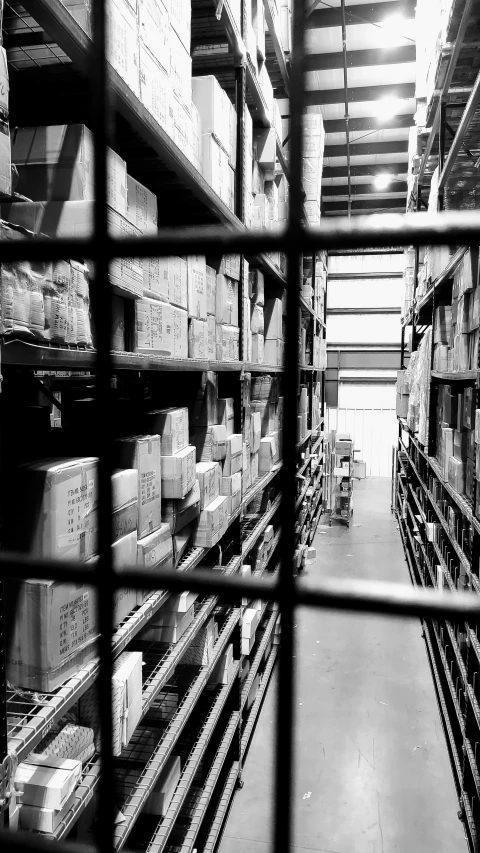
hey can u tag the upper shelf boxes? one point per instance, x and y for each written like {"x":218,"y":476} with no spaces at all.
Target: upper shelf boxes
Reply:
{"x":218,"y":122}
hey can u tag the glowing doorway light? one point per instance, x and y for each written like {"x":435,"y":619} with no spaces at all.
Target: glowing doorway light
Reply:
{"x":386,"y":107}
{"x":381,"y":182}
{"x":394,"y":31}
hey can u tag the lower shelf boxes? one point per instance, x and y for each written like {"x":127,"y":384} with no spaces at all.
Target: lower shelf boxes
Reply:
{"x":224,"y":668}
{"x":168,"y":626}
{"x":212,"y":523}
{"x":47,"y":781}
{"x":162,"y":794}
{"x":127,"y":701}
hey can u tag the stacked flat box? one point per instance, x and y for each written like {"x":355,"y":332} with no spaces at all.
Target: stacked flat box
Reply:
{"x":226,"y":413}
{"x":166,"y":628}
{"x":197,"y":287}
{"x":231,"y":488}
{"x":179,"y":513}
{"x":210,"y":443}
{"x":126,"y":701}
{"x":178,"y":473}
{"x":172,"y":427}
{"x":228,"y":343}
{"x":198,"y":344}
{"x":205,"y":410}
{"x":175,"y":273}
{"x":209,"y":477}
{"x":234,"y":455}
{"x":153,"y":327}
{"x":268,"y":454}
{"x":212,"y":523}
{"x":143,"y":453}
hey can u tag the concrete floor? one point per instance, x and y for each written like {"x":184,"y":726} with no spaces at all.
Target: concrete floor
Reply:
{"x":372,"y":773}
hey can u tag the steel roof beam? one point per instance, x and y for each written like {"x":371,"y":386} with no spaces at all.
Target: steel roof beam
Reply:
{"x":368,"y":123}
{"x":363,"y":14}
{"x":372,"y":169}
{"x":399,"y":146}
{"x":365,"y":204}
{"x":317,"y":97}
{"x":361,"y":58}
{"x":362,"y":189}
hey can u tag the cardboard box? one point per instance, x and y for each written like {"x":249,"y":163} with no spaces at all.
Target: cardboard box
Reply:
{"x":212,"y":524}
{"x":154,"y":30}
{"x":233,"y":458}
{"x":143,"y":453}
{"x":180,"y":332}
{"x":226,"y":300}
{"x":209,"y":476}
{"x":211,"y":338}
{"x":162,"y":794}
{"x":155,"y":550}
{"x":230,"y":265}
{"x":228,"y":343}
{"x":47,"y":781}
{"x":197,"y":339}
{"x":460,"y":444}
{"x":40,"y":819}
{"x":141,"y":207}
{"x":247,"y":645}
{"x":226,"y":413}
{"x":469,"y":398}
{"x":197,"y":287}
{"x":266,"y":412}
{"x":205,"y":411}
{"x":178,"y":473}
{"x":216,"y":169}
{"x":210,"y":443}
{"x":255,"y":431}
{"x":273,"y":352}
{"x":175,"y":271}
{"x":182,"y":602}
{"x":223,"y":669}
{"x":172,"y":427}
{"x":55,"y":163}
{"x":211,"y":277}
{"x":456,"y":474}
{"x":267,"y":454}
{"x":59,"y":509}
{"x":254,"y":466}
{"x":124,"y":552}
{"x":231,"y":487}
{"x":155,"y":87}
{"x":158,"y":633}
{"x":126,"y":701}
{"x":179,"y":513}
{"x":212,"y":103}
{"x":153,"y":327}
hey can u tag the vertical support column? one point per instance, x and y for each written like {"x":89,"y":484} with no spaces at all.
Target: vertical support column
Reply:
{"x":441,"y":148}
{"x":415,"y":270}
{"x":4,"y":761}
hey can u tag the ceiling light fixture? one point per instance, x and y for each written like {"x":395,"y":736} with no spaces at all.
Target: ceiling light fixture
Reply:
{"x":381,"y":182}
{"x":394,"y":30}
{"x":387,"y":107}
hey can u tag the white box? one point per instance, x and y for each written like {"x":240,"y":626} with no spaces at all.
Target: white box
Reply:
{"x":215,"y":167}
{"x":257,"y":349}
{"x":180,"y":332}
{"x":226,"y":413}
{"x":155,"y":88}
{"x":231,"y":487}
{"x":267,"y":454}
{"x":212,"y":524}
{"x":180,"y":69}
{"x":182,"y":602}
{"x":162,"y":794}
{"x":211,"y":443}
{"x":226,"y":301}
{"x":247,"y":645}
{"x":211,"y":338}
{"x":47,"y":781}
{"x":41,"y":819}
{"x":126,"y":701}
{"x":168,"y":633}
{"x":211,"y":277}
{"x":153,"y":327}
{"x":154,"y":31}
{"x":254,"y":463}
{"x":197,"y":338}
{"x":155,"y":549}
{"x":172,"y":427}
{"x":124,"y":502}
{"x":181,"y":20}
{"x":178,"y":473}
{"x":234,"y":455}
{"x":208,"y":475}
{"x":178,"y":513}
{"x":143,"y":453}
{"x":174,"y":270}
{"x":273,"y":352}
{"x":209,"y":99}
{"x":141,"y":207}
{"x":197,"y":287}
{"x":228,"y":343}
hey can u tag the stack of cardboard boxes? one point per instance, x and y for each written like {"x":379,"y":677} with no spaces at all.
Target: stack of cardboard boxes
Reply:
{"x":456,"y":328}
{"x":266,"y":431}
{"x":218,"y":122}
{"x":148,"y":45}
{"x":455,"y":434}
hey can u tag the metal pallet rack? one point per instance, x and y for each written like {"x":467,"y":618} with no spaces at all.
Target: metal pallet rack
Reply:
{"x":154,"y":160}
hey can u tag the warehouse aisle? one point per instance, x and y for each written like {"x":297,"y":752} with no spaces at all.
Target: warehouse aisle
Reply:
{"x":372,"y":773}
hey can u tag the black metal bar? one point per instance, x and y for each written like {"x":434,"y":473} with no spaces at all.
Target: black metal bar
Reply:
{"x":286,"y":581}
{"x":345,"y":87}
{"x":102,"y":305}
{"x":391,"y":231}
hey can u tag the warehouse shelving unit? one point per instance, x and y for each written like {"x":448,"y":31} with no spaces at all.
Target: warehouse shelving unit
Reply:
{"x":440,"y":527}
{"x":211,"y":728}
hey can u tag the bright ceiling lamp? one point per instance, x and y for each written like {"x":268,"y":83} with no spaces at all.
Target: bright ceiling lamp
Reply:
{"x":386,"y":107}
{"x":394,"y":30}
{"x":381,"y":182}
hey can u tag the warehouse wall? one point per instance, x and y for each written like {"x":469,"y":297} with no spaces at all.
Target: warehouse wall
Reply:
{"x":364,"y":296}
